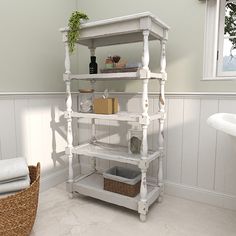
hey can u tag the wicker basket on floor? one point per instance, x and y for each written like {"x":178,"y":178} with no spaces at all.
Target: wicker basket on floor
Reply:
{"x":18,"y":211}
{"x":122,"y":188}
{"x":122,"y":180}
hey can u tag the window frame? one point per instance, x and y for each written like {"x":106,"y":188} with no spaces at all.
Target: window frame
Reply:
{"x":213,"y":42}
{"x":220,"y":48}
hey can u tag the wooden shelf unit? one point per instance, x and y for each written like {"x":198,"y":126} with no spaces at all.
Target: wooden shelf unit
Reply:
{"x":141,"y":27}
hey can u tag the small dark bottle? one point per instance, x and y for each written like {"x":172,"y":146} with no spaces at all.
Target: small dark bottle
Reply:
{"x":93,"y":66}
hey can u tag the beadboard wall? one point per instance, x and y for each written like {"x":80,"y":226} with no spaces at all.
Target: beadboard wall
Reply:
{"x":199,"y":164}
{"x":32,"y":126}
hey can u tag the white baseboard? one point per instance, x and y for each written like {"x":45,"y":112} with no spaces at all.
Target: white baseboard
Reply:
{"x":201,"y":195}
{"x":55,"y":178}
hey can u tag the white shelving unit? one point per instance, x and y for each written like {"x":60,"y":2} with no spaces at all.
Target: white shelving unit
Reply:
{"x":141,"y":27}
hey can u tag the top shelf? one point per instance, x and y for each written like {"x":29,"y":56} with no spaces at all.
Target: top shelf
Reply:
{"x":121,"y":30}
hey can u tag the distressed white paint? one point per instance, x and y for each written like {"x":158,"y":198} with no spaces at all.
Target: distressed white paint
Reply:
{"x":160,"y":174}
{"x":69,"y":134}
{"x":124,"y":29}
{"x":121,"y":29}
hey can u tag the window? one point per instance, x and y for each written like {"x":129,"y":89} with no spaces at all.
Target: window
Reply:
{"x":220,"y":40}
{"x":227,"y":39}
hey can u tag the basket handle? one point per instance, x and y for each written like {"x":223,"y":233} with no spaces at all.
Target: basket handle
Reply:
{"x":38,"y":169}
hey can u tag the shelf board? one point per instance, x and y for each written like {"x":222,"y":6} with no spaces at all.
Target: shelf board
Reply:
{"x":120,"y":116}
{"x":92,"y":186}
{"x":112,"y":152}
{"x":114,"y":76}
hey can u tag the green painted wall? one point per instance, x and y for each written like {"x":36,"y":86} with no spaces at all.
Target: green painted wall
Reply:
{"x":32,"y":54}
{"x":31,"y":50}
{"x":185,"y":45}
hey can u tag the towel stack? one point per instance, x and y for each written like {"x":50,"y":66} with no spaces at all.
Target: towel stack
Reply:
{"x":14,"y":175}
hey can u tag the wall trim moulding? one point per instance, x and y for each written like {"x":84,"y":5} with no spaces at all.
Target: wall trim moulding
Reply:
{"x":201,"y":195}
{"x":52,"y":179}
{"x":30,"y":93}
{"x":168,"y":94}
{"x":222,"y":94}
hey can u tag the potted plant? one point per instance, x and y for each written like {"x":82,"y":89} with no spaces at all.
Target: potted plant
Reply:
{"x":74,"y":28}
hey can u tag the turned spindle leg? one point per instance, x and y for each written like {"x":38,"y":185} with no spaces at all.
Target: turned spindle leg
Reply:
{"x":68,"y":116}
{"x":93,"y":125}
{"x":161,"y":121}
{"x":69,"y":138}
{"x":143,"y":205}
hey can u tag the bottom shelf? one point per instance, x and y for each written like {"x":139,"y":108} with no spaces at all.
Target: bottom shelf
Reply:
{"x":92,"y":186}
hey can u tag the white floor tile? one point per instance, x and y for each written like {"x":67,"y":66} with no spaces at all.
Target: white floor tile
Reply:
{"x":60,"y":216}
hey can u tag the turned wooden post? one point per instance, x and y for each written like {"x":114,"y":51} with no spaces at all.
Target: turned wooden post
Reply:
{"x":69,"y":136}
{"x":93,"y":125}
{"x":161,"y":121}
{"x":143,"y":207}
{"x":68,"y":116}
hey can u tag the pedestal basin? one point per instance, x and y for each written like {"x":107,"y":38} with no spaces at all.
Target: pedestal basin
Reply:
{"x":225,"y":122}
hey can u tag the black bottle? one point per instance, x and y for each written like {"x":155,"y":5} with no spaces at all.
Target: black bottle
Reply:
{"x":93,"y":66}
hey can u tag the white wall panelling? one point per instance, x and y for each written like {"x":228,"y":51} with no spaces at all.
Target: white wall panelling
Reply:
{"x":7,"y":129}
{"x":207,"y":145}
{"x":191,"y":121}
{"x":225,"y":158}
{"x":175,"y":136}
{"x":199,"y":165}
{"x":32,"y":126}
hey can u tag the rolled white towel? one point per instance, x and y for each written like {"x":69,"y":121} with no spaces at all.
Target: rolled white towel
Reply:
{"x":13,"y":168}
{"x":13,"y":179}
{"x":15,"y":186}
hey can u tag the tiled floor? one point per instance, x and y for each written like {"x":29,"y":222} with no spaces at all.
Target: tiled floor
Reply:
{"x":60,"y":216}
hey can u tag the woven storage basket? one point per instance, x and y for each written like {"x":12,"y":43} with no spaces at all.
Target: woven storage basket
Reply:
{"x":123,"y":181}
{"x":18,"y":211}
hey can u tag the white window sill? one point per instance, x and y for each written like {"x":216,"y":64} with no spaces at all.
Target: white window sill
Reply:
{"x":219,"y":78}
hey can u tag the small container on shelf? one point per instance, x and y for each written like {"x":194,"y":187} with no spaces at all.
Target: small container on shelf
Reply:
{"x":93,"y":66}
{"x":135,"y":137}
{"x":122,"y":180}
{"x":109,"y":63}
{"x":105,"y":106}
{"x":86,"y":100}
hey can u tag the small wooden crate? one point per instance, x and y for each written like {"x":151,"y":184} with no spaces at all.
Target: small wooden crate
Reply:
{"x":122,"y":180}
{"x":105,"y":106}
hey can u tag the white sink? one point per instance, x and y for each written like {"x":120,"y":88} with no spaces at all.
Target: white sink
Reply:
{"x":225,"y":122}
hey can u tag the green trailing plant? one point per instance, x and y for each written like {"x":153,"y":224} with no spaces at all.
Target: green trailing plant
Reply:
{"x":230,"y":22}
{"x":74,"y":28}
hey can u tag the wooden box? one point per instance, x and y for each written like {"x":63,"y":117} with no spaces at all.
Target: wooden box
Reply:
{"x":105,"y":105}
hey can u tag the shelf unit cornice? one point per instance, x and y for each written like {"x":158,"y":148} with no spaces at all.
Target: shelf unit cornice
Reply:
{"x":120,"y":30}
